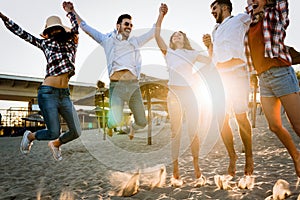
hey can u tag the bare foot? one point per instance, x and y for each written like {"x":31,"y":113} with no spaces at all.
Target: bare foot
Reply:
{"x":131,"y":133}
{"x":176,"y":182}
{"x":197,"y":172}
{"x":110,"y":132}
{"x":176,"y":169}
{"x":131,"y":137}
{"x":176,"y":175}
{"x":249,"y":166}
{"x":201,"y":181}
{"x":297,"y":165}
{"x":232,"y":166}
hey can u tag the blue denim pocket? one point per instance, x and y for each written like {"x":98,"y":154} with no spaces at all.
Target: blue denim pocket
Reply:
{"x":66,"y":92}
{"x":279,"y":71}
{"x":46,"y":93}
{"x":45,"y":90}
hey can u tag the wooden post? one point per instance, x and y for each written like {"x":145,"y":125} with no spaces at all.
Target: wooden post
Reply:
{"x":103,"y":116}
{"x":254,"y":105}
{"x":98,"y":123}
{"x":148,"y":95}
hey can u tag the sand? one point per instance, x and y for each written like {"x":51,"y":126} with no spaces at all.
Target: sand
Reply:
{"x":89,"y":162}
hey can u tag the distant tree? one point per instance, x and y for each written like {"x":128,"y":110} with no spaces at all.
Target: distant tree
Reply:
{"x":298,"y":75}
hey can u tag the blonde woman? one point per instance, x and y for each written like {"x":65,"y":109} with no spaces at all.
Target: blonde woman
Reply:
{"x":180,"y":57}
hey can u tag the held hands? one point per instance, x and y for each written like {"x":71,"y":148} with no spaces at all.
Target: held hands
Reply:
{"x":253,"y":79}
{"x":206,"y":40}
{"x":68,"y":6}
{"x":163,"y":9}
{"x":3,"y":17}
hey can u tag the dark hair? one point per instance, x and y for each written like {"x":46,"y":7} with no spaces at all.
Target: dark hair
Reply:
{"x":63,"y":36}
{"x":124,"y":16}
{"x":224,"y":2}
{"x":270,"y":3}
{"x":100,"y":84}
{"x":186,"y":45}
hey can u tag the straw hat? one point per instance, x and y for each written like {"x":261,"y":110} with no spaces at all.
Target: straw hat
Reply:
{"x":53,"y":21}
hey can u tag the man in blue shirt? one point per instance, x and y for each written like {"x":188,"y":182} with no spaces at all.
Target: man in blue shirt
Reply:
{"x":124,"y":68}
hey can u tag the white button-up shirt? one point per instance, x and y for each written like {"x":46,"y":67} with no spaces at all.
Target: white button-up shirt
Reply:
{"x":228,"y":38}
{"x":109,"y":41}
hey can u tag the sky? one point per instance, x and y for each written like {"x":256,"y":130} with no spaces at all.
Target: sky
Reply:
{"x":191,"y":16}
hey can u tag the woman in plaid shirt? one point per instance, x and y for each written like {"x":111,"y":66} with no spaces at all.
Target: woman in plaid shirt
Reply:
{"x":270,"y":58}
{"x":59,"y":45}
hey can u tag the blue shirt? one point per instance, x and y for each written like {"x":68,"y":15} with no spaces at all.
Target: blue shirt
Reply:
{"x":108,"y":42}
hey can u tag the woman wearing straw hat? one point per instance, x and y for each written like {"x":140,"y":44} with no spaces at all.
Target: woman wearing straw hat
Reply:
{"x":59,"y":45}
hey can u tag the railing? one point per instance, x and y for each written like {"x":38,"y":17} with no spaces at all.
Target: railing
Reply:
{"x":13,"y":121}
{"x":13,"y":116}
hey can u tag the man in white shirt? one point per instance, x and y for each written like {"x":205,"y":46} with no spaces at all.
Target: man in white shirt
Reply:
{"x":124,"y":68}
{"x":227,"y":51}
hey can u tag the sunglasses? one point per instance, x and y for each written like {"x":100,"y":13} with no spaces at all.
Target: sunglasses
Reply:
{"x":128,"y":24}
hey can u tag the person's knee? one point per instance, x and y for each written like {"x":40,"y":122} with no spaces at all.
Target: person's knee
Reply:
{"x":275,"y":128}
{"x":142,"y":124}
{"x":243,"y":121}
{"x":76,"y":130}
{"x":242,"y":118}
{"x":74,"y":134}
{"x":53,"y":134}
{"x":77,"y":133}
{"x":139,"y":125}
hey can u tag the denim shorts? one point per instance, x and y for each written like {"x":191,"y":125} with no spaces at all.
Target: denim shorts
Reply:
{"x":278,"y":81}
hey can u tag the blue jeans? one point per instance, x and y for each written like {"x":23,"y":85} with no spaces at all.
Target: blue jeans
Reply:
{"x":128,"y":91}
{"x":52,"y":102}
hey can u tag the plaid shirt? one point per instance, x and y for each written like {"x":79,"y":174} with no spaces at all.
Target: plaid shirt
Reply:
{"x":60,"y":57}
{"x":275,"y":22}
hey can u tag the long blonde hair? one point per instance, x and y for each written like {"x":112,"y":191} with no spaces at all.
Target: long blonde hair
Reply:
{"x":186,"y":42}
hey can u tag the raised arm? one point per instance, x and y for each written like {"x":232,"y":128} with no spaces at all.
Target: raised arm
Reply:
{"x":93,"y":33}
{"x":159,"y":40}
{"x":69,"y":8}
{"x":3,"y":17}
{"x":17,"y":30}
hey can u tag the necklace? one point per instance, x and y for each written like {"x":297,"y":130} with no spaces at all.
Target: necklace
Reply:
{"x":257,"y":17}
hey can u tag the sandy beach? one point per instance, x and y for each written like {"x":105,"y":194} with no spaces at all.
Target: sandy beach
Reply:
{"x":88,"y":163}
